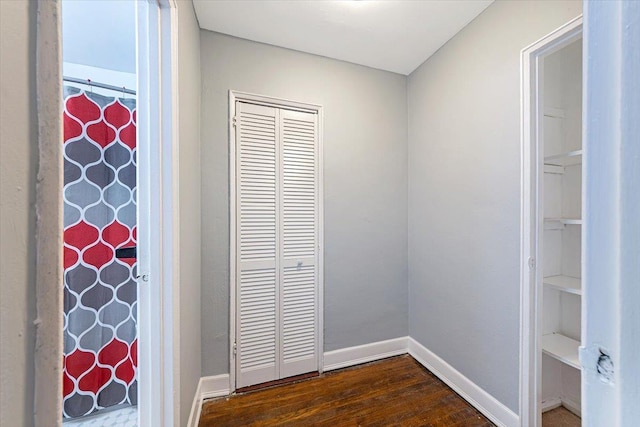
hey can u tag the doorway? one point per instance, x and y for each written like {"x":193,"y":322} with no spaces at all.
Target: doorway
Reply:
{"x":119,"y":143}
{"x":552,"y":306}
{"x":100,"y":350}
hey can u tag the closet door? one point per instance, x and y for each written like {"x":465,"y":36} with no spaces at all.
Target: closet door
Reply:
{"x":299,"y":256}
{"x":257,"y":300}
{"x":277,"y":243}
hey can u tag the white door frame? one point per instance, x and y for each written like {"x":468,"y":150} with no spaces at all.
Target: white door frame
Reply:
{"x":530,"y":275}
{"x":158,"y":215}
{"x":611,"y":224}
{"x":158,"y":302}
{"x":291,"y":105}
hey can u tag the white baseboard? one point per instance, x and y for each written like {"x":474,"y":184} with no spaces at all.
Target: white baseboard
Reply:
{"x":351,"y":356}
{"x":208,"y":388}
{"x":467,"y":389}
{"x":572,"y":406}
{"x":553,"y":403}
{"x":214,"y":386}
{"x":549,"y":404}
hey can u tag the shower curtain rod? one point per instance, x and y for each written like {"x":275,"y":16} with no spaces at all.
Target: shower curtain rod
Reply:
{"x":100,"y":85}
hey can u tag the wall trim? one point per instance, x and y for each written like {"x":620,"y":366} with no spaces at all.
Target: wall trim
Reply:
{"x":208,"y":388}
{"x":553,"y":403}
{"x":467,"y":389}
{"x":356,"y":355}
{"x":550,"y":404}
{"x":572,"y":406}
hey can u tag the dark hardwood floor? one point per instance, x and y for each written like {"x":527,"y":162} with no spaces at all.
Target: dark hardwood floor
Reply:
{"x":391,"y":392}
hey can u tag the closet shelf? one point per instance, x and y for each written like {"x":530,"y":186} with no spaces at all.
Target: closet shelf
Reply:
{"x":562,"y":348}
{"x":565,"y":159}
{"x":568,"y":284}
{"x":559,"y":223}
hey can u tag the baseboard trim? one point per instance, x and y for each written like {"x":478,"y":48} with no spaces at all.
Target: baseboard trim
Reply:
{"x":498,"y":413}
{"x":553,"y":403}
{"x":572,"y":406}
{"x":196,"y":407}
{"x":550,"y":404}
{"x":208,"y":388}
{"x":356,"y":355}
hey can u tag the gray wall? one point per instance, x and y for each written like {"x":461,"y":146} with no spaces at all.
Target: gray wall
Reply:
{"x":190,"y":242}
{"x":18,"y":164}
{"x":464,"y":193}
{"x":365,"y":179}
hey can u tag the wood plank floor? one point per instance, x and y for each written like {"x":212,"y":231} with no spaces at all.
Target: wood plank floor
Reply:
{"x":391,"y":392}
{"x":560,"y":417}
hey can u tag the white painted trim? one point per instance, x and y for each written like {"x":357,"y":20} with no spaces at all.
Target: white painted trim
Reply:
{"x":287,"y":104}
{"x":196,"y":407}
{"x":171,"y":209}
{"x":208,"y":388}
{"x":549,"y":404}
{"x":611,"y":179}
{"x":467,"y":389}
{"x":271,"y":101}
{"x":232,"y":241}
{"x":320,"y":269}
{"x":214,"y":386}
{"x":572,"y":406}
{"x":555,"y":402}
{"x":158,"y":215}
{"x":356,"y":355}
{"x":531,"y":220}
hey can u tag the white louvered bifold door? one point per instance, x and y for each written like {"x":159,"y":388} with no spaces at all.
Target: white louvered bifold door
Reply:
{"x":299,"y":241}
{"x":277,"y":243}
{"x":257,"y":244}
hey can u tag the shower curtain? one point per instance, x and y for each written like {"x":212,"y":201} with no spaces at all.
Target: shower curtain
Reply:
{"x":100,"y":291}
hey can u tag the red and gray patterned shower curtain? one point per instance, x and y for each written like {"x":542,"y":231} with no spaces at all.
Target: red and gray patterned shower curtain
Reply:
{"x":100,"y":291}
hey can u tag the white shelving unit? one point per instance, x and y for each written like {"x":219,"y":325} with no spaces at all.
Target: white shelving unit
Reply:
{"x":559,"y":223}
{"x":565,"y":159}
{"x":561,"y":216}
{"x":561,"y":348}
{"x":562,"y":283}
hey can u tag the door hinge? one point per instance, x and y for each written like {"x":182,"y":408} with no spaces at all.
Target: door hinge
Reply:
{"x":235,"y":349}
{"x":532,"y":263}
{"x":233,"y":121}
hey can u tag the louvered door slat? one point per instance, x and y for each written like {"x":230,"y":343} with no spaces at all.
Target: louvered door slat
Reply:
{"x":258,"y":295}
{"x":277,"y":239}
{"x":299,"y":242}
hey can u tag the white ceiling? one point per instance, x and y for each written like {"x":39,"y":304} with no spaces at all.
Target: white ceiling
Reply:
{"x":100,"y":33}
{"x":392,"y":35}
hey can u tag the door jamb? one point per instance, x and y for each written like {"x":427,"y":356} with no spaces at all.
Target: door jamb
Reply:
{"x":286,"y":104}
{"x":158,"y":265}
{"x":531,"y":68}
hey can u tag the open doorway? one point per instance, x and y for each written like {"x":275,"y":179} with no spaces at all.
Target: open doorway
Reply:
{"x":100,"y":339}
{"x":552,"y":209}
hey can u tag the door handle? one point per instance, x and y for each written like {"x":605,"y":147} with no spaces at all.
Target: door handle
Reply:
{"x":130,"y":252}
